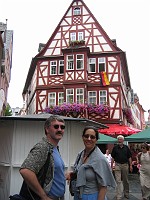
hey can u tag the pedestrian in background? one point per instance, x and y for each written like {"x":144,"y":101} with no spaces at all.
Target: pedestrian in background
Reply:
{"x":144,"y":170}
{"x":54,"y":183}
{"x":108,"y":156}
{"x":93,"y":171}
{"x":121,"y":154}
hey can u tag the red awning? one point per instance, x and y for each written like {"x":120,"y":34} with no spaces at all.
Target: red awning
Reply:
{"x":117,"y":129}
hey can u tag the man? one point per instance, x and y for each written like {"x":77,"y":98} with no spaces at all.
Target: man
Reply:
{"x":121,"y":154}
{"x":54,"y":183}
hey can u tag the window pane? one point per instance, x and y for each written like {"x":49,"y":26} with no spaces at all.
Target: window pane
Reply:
{"x":70,"y":62}
{"x":101,"y":67}
{"x":77,"y":11}
{"x":53,"y":67}
{"x":73,"y":36}
{"x":80,"y":36}
{"x":80,"y":62}
{"x":103,"y":97}
{"x":92,"y":97}
{"x":60,"y":98}
{"x":92,"y":64}
{"x":80,"y":95}
{"x":101,"y":64}
{"x":52,"y":99}
{"x":61,"y":67}
{"x":70,"y":95}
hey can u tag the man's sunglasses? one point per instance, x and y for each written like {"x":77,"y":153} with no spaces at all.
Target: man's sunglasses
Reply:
{"x":92,"y":137}
{"x":57,"y":126}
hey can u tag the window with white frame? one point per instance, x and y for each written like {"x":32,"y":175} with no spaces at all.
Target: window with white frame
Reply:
{"x":61,"y":67}
{"x":70,"y":95}
{"x":76,"y":36}
{"x":73,"y":36}
{"x":80,"y":95}
{"x":92,"y":97}
{"x":92,"y":65}
{"x":60,"y":98}
{"x":102,"y":64}
{"x":80,"y":59}
{"x":77,"y":11}
{"x":70,"y":65}
{"x":52,"y":98}
{"x":80,"y":36}
{"x":102,"y":97}
{"x":53,"y":66}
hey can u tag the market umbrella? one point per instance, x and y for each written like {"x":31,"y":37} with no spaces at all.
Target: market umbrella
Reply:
{"x":105,"y":139}
{"x":143,"y":136}
{"x":117,"y":129}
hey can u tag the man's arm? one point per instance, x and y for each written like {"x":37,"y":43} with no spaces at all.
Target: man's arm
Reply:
{"x":32,"y":181}
{"x":112,"y":162}
{"x":130,"y":164}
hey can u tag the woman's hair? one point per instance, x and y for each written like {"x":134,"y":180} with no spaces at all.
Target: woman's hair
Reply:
{"x":145,"y":145}
{"x":93,"y":128}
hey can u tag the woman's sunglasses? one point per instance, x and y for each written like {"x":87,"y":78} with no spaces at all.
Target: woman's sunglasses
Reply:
{"x":92,"y":137}
{"x":57,"y":126}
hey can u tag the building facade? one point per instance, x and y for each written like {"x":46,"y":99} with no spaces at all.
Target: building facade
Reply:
{"x":81,"y":64}
{"x":6,"y":46}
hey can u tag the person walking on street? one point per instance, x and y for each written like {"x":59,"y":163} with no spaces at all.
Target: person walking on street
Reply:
{"x":121,"y":154}
{"x":93,"y":171}
{"x":144,"y":161}
{"x":54,"y":183}
{"x":108,"y":156}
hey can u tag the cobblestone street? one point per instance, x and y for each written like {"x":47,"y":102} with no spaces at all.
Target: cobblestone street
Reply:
{"x":135,"y":189}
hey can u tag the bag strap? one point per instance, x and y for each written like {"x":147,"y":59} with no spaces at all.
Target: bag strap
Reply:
{"x":89,"y":154}
{"x":46,"y":165}
{"x":42,"y":179}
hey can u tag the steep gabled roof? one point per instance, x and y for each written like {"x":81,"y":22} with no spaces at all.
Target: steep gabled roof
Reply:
{"x":47,"y":49}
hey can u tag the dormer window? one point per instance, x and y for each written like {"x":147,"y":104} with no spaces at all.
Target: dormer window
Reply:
{"x":76,"y":36}
{"x":73,"y":36}
{"x":77,"y":11}
{"x":80,"y":36}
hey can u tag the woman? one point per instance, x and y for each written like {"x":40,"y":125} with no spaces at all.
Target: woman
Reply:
{"x":93,"y":171}
{"x":108,"y":156}
{"x":144,"y":161}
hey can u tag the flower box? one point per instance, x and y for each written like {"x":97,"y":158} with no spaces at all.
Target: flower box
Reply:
{"x":76,"y":43}
{"x":76,"y":109}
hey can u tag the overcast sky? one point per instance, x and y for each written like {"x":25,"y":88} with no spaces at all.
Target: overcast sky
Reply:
{"x":33,"y":22}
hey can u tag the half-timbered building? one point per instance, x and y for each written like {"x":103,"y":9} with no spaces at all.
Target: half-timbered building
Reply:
{"x":80,"y":64}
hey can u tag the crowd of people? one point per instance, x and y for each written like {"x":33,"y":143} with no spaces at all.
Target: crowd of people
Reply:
{"x":44,"y":174}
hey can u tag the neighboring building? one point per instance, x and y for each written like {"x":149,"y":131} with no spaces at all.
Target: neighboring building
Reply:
{"x":81,"y":64}
{"x":18,"y":111}
{"x":148,"y":122}
{"x":6,"y":46}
